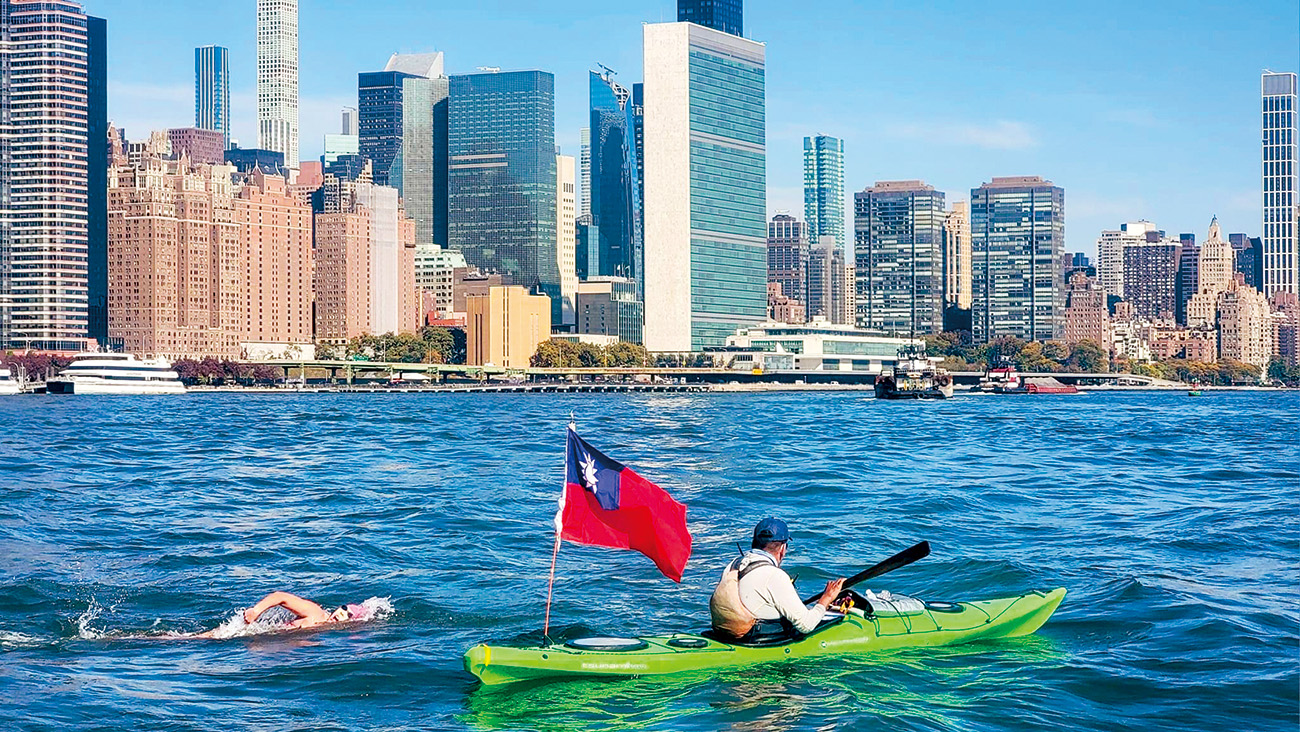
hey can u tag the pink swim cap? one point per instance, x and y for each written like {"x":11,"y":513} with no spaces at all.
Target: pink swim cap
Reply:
{"x":358,"y":612}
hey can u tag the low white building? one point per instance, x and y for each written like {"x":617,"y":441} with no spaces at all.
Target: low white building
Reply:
{"x":816,"y":346}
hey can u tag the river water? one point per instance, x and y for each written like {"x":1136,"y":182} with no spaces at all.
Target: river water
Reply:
{"x":126,"y":523}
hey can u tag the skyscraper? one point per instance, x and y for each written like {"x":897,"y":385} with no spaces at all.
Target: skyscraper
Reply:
{"x":1188,"y":274}
{"x":1017,"y":237}
{"x":1151,"y":277}
{"x":823,"y":188}
{"x":566,"y":209}
{"x":787,"y":257}
{"x":1110,"y":253}
{"x":898,"y":242}
{"x":349,"y":122}
{"x":584,"y":172}
{"x":212,"y":90}
{"x":827,"y":278}
{"x":956,"y":257}
{"x":97,"y":165}
{"x":705,"y":186}
{"x":501,"y":178}
{"x":277,"y":78}
{"x":52,"y":100}
{"x":614,"y":236}
{"x":1281,"y":167}
{"x":403,"y":131}
{"x":1214,"y":273}
{"x":1248,"y":259}
{"x":721,"y":15}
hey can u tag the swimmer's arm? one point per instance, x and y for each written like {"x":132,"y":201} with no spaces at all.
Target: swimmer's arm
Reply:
{"x":299,"y":606}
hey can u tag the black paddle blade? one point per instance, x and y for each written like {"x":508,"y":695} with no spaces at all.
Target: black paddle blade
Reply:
{"x":901,"y":559}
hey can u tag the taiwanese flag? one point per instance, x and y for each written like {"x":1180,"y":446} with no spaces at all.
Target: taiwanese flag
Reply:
{"x":605,"y":503}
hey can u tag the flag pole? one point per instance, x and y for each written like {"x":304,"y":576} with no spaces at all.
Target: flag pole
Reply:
{"x":555,"y":553}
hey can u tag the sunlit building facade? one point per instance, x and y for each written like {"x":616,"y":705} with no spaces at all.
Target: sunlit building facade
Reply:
{"x":705,"y":200}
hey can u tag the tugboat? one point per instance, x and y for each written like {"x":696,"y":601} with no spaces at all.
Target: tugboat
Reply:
{"x":1000,"y":378}
{"x":1005,"y":380}
{"x":914,"y":377}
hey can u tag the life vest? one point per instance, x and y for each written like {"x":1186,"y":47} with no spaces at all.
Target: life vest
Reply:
{"x":730,"y":616}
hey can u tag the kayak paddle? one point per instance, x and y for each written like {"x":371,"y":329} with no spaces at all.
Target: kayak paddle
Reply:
{"x":901,"y":559}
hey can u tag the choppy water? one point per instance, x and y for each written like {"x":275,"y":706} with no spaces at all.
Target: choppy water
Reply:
{"x":126,"y":522}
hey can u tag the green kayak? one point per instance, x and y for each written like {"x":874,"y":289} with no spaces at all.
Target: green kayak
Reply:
{"x":938,"y":624}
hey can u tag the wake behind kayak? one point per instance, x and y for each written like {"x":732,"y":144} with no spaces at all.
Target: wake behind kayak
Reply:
{"x":854,"y":633}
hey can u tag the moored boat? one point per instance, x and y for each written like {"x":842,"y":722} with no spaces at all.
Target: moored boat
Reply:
{"x":856,"y":632}
{"x":8,"y":384}
{"x":116,"y":373}
{"x":914,"y":376}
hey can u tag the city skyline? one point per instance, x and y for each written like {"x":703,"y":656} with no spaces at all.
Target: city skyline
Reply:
{"x":1195,"y":118}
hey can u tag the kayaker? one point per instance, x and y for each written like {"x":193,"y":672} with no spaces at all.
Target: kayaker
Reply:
{"x":307,"y":614}
{"x":756,"y":598}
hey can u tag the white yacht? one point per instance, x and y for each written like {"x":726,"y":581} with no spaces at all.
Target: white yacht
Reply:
{"x":8,"y":384}
{"x":115,"y":373}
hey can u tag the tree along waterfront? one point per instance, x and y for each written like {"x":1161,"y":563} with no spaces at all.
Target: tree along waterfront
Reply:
{"x":961,"y":354}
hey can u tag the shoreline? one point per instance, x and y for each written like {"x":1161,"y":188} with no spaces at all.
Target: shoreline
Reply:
{"x":566,"y":388}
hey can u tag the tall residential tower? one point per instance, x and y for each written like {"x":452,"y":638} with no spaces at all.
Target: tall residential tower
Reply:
{"x":705,"y":186}
{"x":1281,"y":166}
{"x":53,"y":176}
{"x":823,"y":188}
{"x":1017,"y":237}
{"x":898,"y":241}
{"x":212,"y":90}
{"x":277,"y":78}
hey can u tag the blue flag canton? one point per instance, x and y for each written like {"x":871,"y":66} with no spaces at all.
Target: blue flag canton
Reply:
{"x":591,"y":470}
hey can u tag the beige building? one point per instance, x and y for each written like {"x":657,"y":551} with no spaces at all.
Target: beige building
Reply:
{"x":1086,"y":315}
{"x":276,"y":254}
{"x":1214,"y":276}
{"x":1245,"y":324}
{"x":957,"y":257}
{"x":342,"y":276}
{"x":505,"y":325}
{"x":173,"y":259}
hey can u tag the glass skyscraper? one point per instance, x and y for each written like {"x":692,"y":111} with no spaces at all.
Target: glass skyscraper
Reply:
{"x":402,"y":127}
{"x":723,"y":15}
{"x":212,"y":90}
{"x":823,"y":188}
{"x":898,"y":230}
{"x":1017,"y":237}
{"x":1281,"y":168}
{"x":614,"y":236}
{"x":705,"y":223}
{"x":501,"y":180}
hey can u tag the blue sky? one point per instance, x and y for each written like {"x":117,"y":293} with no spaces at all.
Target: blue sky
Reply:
{"x":1146,"y":109}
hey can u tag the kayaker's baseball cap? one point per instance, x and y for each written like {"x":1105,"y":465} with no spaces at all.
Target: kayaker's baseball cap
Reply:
{"x":769,"y":530}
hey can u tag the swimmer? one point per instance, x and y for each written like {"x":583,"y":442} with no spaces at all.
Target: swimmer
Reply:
{"x":309,"y":614}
